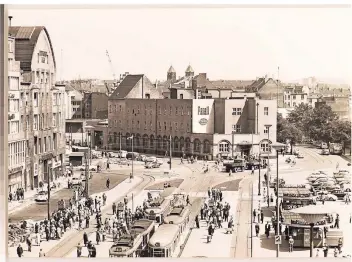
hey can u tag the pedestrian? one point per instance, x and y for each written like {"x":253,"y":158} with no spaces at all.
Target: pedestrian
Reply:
{"x":252,"y":170}
{"x":125,"y":200}
{"x":41,"y":253}
{"x":339,"y":245}
{"x":336,"y":252}
{"x":267,"y":229}
{"x":256,"y":229}
{"x":87,"y":221}
{"x":290,"y":244}
{"x":197,"y":221}
{"x":187,"y":201}
{"x":29,"y":244}
{"x":97,"y":237}
{"x":114,"y":207}
{"x":19,"y":250}
{"x":337,"y":222}
{"x":108,"y":183}
{"x":89,"y":247}
{"x":317,"y":254}
{"x":325,"y":250}
{"x":85,"y":238}
{"x":261,"y":216}
{"x":230,"y":173}
{"x":254,"y":215}
{"x":94,"y":251}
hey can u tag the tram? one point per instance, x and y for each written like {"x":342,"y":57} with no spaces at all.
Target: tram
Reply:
{"x":135,"y":243}
{"x":178,"y":216}
{"x":159,"y":207}
{"x":165,"y":240}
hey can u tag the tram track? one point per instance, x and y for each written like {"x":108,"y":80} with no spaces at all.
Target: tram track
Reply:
{"x":67,"y":245}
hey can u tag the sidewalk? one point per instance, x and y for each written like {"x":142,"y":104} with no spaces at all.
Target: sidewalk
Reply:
{"x":112,"y":195}
{"x":220,"y":245}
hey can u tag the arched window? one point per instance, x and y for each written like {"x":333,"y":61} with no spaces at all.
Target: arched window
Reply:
{"x":158,"y":142}
{"x":196,"y":146}
{"x":165,"y":143}
{"x":224,"y":146}
{"x":265,"y":146}
{"x":151,"y":141}
{"x":182,"y":143}
{"x":188,"y":144}
{"x":176,"y":143}
{"x":145,"y":141}
{"x":206,"y":147}
{"x":138,"y":140}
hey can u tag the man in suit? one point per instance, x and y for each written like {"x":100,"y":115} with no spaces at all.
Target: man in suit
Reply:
{"x":267,"y":229}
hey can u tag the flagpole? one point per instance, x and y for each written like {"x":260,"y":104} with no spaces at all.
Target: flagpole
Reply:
{"x":132,"y":155}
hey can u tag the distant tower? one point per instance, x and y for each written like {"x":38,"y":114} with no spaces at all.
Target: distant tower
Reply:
{"x":171,"y":74}
{"x":189,"y":71}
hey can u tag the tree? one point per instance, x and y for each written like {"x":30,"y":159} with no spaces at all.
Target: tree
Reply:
{"x":287,"y":130}
{"x":301,"y":117}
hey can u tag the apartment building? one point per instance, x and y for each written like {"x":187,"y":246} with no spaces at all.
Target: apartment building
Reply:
{"x":41,"y":102}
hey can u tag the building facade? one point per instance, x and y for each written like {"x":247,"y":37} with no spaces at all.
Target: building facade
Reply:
{"x":95,"y":105}
{"x":202,"y":127}
{"x":43,"y":110}
{"x":16,"y":135}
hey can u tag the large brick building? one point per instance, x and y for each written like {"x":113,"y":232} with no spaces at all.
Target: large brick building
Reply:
{"x":215,"y":126}
{"x":41,"y":108}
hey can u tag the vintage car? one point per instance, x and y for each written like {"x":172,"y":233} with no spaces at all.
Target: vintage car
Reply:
{"x":42,"y":196}
{"x":325,"y":152}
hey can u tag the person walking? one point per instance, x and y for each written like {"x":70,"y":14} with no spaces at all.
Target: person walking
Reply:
{"x":41,"y":253}
{"x":114,"y":208}
{"x":197,"y":221}
{"x":97,"y":237}
{"x":254,"y":215}
{"x":29,"y":244}
{"x":108,"y":183}
{"x":261,"y":216}
{"x":19,"y":250}
{"x":188,"y":201}
{"x":256,"y":229}
{"x":85,"y":238}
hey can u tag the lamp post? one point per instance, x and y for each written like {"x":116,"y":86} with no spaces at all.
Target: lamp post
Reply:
{"x":268,"y":166}
{"x":259,"y":181}
{"x":131,"y":138}
{"x":278,"y":149}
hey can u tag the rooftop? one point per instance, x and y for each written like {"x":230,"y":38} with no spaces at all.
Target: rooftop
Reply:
{"x":125,"y":87}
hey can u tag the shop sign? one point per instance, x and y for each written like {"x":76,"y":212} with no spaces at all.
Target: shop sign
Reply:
{"x":56,"y":164}
{"x":203,"y":121}
{"x":15,"y":170}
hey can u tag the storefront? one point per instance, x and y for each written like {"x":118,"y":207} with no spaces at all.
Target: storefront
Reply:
{"x":56,"y":169}
{"x":299,"y":229}
{"x":15,"y":178}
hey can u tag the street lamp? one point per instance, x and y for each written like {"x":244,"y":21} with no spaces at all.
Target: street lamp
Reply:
{"x":268,"y":166}
{"x":278,"y":148}
{"x":131,"y":138}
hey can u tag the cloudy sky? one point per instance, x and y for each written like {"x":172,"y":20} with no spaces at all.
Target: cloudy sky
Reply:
{"x":231,"y":43}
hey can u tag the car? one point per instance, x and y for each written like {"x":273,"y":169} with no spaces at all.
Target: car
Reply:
{"x":299,"y":156}
{"x":76,"y":181}
{"x":152,"y":165}
{"x":91,"y":168}
{"x":325,"y":152}
{"x":160,"y":161}
{"x":141,"y":158}
{"x":330,"y":197}
{"x":42,"y":196}
{"x":150,"y":159}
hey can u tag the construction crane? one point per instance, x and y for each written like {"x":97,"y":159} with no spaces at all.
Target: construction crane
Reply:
{"x":113,"y":74}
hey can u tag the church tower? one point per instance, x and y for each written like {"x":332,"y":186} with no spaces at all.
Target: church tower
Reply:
{"x":171,"y":74}
{"x":189,"y":72}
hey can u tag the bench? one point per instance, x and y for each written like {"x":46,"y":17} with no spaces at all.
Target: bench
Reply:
{"x":229,"y":230}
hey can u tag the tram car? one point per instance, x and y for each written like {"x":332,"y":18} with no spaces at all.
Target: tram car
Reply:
{"x":161,"y":206}
{"x":135,"y":243}
{"x":165,"y":240}
{"x":178,"y":216}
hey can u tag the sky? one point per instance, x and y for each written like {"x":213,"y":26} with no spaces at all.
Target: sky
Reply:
{"x":225,"y":43}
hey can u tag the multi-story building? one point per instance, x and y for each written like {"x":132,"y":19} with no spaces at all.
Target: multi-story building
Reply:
{"x":295,"y":95}
{"x":16,"y":134}
{"x":95,"y":105}
{"x":73,"y":103}
{"x":43,"y":110}
{"x":240,"y":125}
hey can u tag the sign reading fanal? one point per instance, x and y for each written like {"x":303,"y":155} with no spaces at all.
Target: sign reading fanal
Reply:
{"x":203,"y":121}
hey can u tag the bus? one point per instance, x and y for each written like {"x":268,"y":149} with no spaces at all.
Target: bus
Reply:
{"x":135,"y":243}
{"x":165,"y":240}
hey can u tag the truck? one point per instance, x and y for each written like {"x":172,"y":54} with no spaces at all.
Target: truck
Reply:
{"x":236,"y":165}
{"x":253,"y":163}
{"x":335,"y":148}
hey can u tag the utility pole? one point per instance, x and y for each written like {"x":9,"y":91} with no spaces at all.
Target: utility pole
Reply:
{"x":268,"y":169}
{"x":87,"y":176}
{"x":131,"y":138}
{"x":170,"y":151}
{"x":48,"y":173}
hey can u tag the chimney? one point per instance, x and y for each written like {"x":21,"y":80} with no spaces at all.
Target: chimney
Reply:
{"x":10,"y":18}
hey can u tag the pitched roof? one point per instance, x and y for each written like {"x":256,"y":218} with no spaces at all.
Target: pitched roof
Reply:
{"x":26,"y":38}
{"x":171,"y":70}
{"x":231,"y":84}
{"x":189,"y":69}
{"x":125,"y":87}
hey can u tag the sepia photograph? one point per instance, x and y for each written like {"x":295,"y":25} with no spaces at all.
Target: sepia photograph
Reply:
{"x":177,"y":131}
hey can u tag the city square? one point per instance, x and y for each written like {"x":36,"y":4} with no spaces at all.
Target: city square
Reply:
{"x":188,"y":167}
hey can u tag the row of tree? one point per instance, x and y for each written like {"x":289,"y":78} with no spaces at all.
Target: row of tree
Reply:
{"x":307,"y":123}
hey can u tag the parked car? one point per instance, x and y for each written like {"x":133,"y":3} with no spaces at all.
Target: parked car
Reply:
{"x":152,"y":165}
{"x":160,"y":161}
{"x":141,"y":158}
{"x":133,"y":155}
{"x":325,"y":152}
{"x":150,"y":159}
{"x":330,"y":197}
{"x":76,"y":181}
{"x":299,"y":156}
{"x":122,"y":154}
{"x":91,"y":168}
{"x":42,"y":196}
